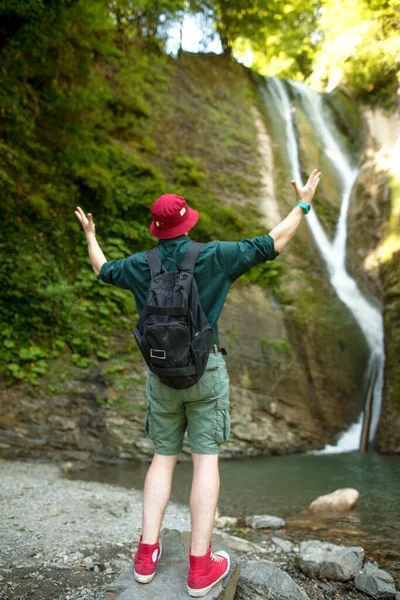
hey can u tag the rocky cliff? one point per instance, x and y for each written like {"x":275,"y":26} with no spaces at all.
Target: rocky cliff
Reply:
{"x":295,"y":355}
{"x":374,"y":251}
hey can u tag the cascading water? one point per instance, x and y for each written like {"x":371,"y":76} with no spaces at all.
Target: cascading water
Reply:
{"x":334,"y":253}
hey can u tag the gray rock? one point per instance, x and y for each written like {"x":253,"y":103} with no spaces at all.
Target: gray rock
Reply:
{"x":283,"y":545}
{"x":88,"y":562}
{"x":238,"y":544}
{"x":265,"y":522}
{"x":170,"y":582}
{"x":397,"y":596}
{"x":328,"y":561}
{"x":261,"y":580}
{"x":375,"y":582}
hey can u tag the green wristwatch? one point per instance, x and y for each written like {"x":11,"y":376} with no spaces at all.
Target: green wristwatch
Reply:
{"x":305,"y":206}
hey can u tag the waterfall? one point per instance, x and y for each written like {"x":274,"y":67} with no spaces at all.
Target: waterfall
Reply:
{"x":334,"y":252}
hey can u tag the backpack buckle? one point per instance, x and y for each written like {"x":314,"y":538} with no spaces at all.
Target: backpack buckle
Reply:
{"x":158,"y":354}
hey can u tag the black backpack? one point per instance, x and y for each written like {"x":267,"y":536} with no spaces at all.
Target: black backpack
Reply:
{"x":173,"y":332}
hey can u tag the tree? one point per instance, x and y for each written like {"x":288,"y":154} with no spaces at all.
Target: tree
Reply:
{"x":144,"y":19}
{"x":269,"y":27}
{"x":360,"y":48}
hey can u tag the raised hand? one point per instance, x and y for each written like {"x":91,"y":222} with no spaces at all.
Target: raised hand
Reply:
{"x":307,"y":191}
{"x":87,"y":223}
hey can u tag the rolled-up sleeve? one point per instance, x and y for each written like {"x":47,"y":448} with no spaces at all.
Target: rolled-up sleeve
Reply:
{"x":238,"y":257}
{"x":115,"y":273}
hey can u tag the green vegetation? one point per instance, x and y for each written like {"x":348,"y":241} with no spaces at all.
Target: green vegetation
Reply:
{"x":93,"y":113}
{"x":360,"y":48}
{"x":282,"y":346}
{"x":278,"y":34}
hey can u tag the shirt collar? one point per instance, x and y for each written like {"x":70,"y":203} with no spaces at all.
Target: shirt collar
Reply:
{"x":174,"y":241}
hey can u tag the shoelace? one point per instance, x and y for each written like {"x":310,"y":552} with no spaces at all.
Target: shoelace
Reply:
{"x":216,"y":558}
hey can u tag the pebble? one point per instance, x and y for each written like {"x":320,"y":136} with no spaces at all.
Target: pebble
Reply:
{"x":283,"y":545}
{"x":265,"y":522}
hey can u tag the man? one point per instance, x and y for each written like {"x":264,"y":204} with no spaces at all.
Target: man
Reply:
{"x":203,"y":409}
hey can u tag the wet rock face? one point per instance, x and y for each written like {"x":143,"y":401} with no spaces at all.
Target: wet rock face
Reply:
{"x":371,"y":221}
{"x":388,"y":436}
{"x":295,"y":370}
{"x":328,"y":561}
{"x":375,"y":582}
{"x":77,"y":422}
{"x":368,"y":212}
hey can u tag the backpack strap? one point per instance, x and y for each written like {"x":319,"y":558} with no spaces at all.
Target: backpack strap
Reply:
{"x":190,"y":257}
{"x":155,"y":263}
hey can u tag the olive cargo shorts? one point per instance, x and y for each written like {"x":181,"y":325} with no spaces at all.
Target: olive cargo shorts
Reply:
{"x":202,"y":409}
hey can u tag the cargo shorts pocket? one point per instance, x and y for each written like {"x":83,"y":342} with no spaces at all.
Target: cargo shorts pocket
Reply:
{"x":149,"y":423}
{"x":222,"y":421}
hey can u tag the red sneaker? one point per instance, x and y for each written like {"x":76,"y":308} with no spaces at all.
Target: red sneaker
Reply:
{"x":146,"y":559}
{"x":206,"y":571}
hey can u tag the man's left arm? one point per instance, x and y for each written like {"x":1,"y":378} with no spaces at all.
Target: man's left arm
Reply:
{"x":283,"y":232}
{"x":238,"y":257}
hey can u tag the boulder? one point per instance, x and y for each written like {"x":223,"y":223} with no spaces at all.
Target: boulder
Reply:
{"x":171,"y":579}
{"x":375,"y":582}
{"x":328,"y":561}
{"x":238,"y":544}
{"x":260,"y":580}
{"x":282,"y":545}
{"x":340,"y":500}
{"x":265,"y":522}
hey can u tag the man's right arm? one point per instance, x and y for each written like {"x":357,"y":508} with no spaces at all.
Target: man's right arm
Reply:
{"x":96,"y":255}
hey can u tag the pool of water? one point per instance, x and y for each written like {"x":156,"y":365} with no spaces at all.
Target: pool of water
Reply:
{"x":286,"y":485}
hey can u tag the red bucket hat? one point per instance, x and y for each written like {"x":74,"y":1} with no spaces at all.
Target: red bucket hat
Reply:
{"x":172,"y":217}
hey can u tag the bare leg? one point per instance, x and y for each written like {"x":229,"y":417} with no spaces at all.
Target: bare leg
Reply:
{"x":157,"y":491}
{"x":203,"y":500}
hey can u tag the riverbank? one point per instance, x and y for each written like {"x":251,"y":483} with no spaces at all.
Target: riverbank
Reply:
{"x":67,"y":540}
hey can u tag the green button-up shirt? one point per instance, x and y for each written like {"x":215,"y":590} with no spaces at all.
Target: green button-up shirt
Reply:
{"x":218,"y":265}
